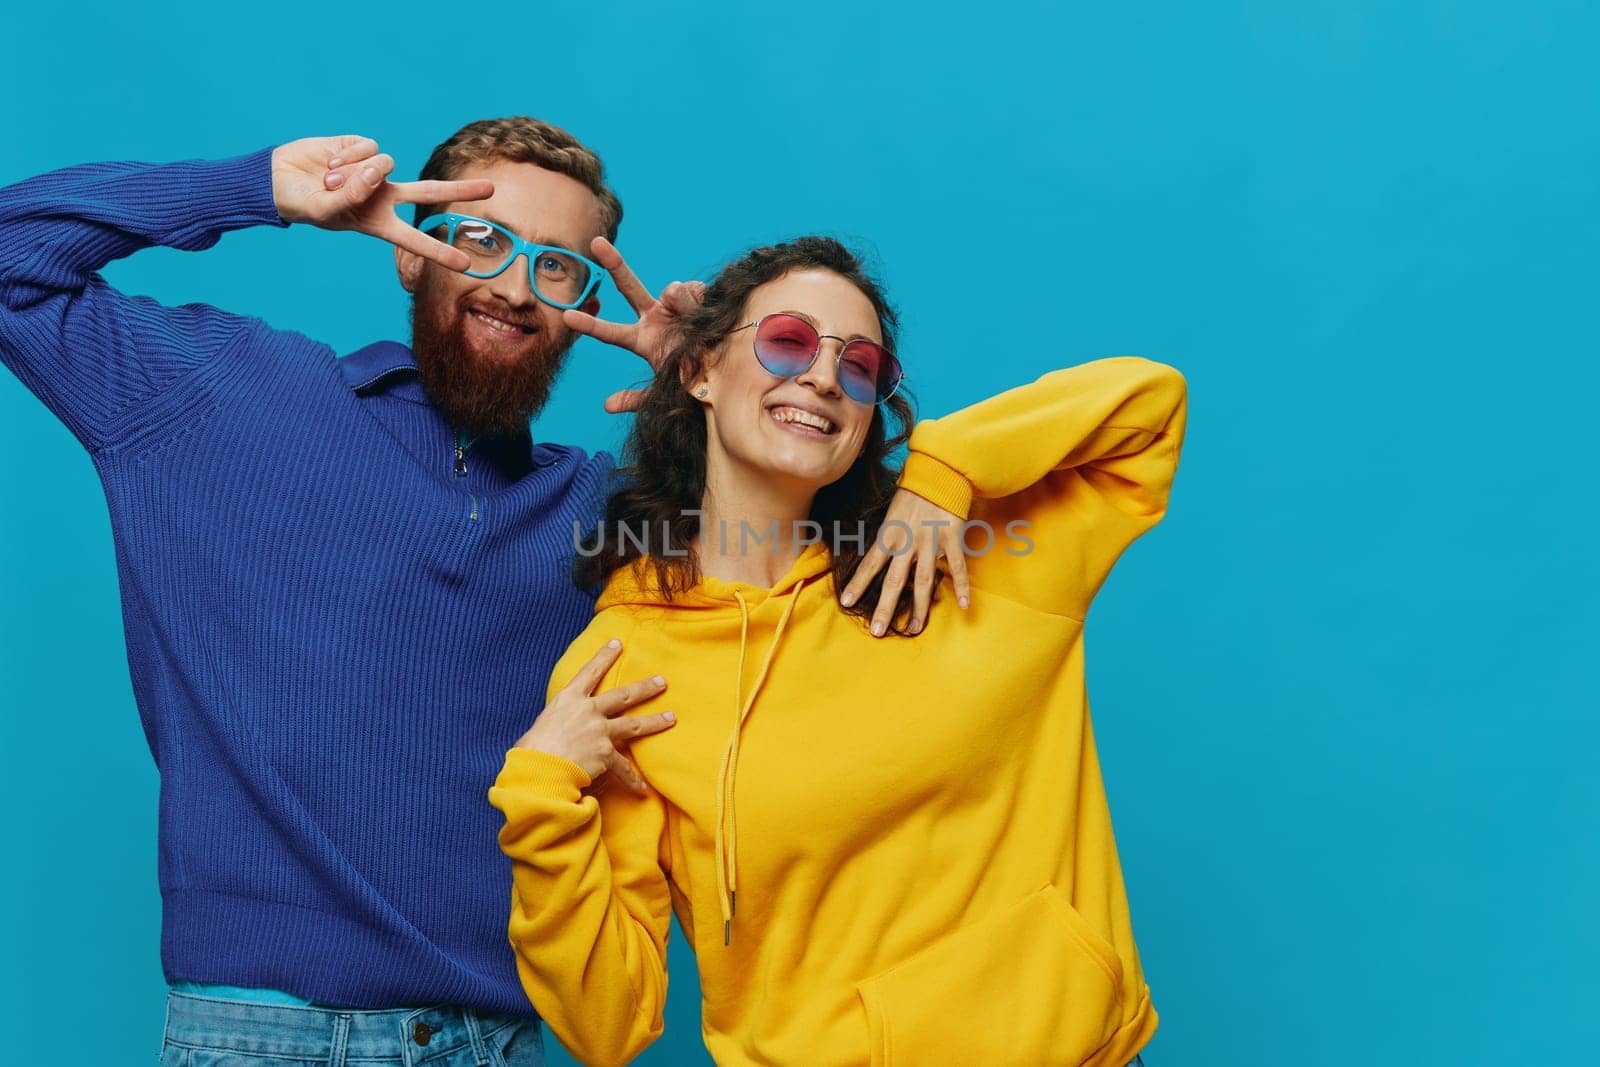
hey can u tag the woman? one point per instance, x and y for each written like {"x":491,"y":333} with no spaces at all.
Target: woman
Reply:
{"x":884,"y":852}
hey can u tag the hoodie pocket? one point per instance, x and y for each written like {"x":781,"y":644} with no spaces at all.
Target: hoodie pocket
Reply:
{"x":1033,"y":984}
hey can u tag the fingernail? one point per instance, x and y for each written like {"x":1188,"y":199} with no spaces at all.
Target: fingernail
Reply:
{"x":335,"y":180}
{"x":613,"y":643}
{"x":877,"y":629}
{"x":659,"y":680}
{"x":963,"y":602}
{"x":667,"y":715}
{"x":336,"y":162}
{"x":847,"y":599}
{"x":371,"y":175}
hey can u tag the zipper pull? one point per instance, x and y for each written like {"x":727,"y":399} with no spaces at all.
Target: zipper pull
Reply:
{"x":461,"y":460}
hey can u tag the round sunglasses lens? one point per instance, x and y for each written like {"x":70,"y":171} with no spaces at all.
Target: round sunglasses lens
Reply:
{"x":867,"y":372}
{"x":559,"y":277}
{"x":486,"y":245}
{"x":785,"y":345}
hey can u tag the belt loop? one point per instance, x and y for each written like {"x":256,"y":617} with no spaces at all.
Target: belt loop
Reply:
{"x":341,"y":1037}
{"x":480,"y":1054}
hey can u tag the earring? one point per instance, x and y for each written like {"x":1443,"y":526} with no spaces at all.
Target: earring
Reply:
{"x":701,"y":393}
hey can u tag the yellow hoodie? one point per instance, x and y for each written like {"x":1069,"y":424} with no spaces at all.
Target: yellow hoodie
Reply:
{"x":884,"y":851}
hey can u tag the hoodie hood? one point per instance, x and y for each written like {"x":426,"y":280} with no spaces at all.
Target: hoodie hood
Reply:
{"x":636,"y":585}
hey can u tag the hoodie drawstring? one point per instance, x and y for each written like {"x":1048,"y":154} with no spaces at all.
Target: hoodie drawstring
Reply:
{"x":727,"y":855}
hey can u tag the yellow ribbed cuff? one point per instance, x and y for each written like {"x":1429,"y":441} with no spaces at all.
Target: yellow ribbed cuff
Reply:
{"x":553,"y":776}
{"x":937,"y":482}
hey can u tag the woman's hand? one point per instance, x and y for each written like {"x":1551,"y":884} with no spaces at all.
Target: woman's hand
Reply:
{"x":650,"y":338}
{"x":341,"y":183}
{"x":915,"y":534}
{"x":588,"y":730}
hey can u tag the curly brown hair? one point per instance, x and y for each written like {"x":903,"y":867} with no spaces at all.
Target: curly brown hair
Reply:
{"x":520,"y":139}
{"x":663,"y":477}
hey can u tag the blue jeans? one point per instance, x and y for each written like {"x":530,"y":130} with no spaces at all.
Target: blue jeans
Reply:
{"x":203,"y":1032}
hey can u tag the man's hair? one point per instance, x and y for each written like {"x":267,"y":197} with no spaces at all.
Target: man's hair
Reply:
{"x":521,"y":139}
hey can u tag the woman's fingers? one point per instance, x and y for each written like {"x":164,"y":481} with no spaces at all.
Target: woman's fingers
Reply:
{"x":583,"y":683}
{"x":915,"y":534}
{"x":890,"y":544}
{"x":866,"y":570}
{"x":889,"y":599}
{"x":630,"y":728}
{"x":615,"y":701}
{"x":625,"y":728}
{"x":619,"y":766}
{"x":588,"y":729}
{"x":922,"y":588}
{"x":956,"y":555}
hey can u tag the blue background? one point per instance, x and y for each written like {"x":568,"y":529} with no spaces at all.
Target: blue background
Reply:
{"x":1345,"y":694}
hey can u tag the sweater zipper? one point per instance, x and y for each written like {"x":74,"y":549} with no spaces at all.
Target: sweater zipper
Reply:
{"x":463,"y":442}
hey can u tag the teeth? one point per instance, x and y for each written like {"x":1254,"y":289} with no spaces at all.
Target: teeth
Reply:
{"x":804,"y":418}
{"x":498,"y":324}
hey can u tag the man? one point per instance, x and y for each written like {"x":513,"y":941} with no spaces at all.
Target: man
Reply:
{"x":344,"y":581}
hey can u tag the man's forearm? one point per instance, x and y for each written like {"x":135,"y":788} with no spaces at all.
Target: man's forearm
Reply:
{"x":59,"y":228}
{"x":92,"y":354}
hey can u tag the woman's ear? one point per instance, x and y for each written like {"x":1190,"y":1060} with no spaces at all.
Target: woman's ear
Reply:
{"x":696,"y":379}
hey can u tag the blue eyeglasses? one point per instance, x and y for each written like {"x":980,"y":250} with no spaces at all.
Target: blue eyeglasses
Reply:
{"x":559,"y":276}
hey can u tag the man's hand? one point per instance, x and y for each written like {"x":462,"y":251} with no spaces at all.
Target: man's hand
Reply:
{"x":934,"y":533}
{"x":650,"y":337}
{"x":340,"y":183}
{"x":588,"y":729}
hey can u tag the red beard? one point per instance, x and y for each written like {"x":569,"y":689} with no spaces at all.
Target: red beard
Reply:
{"x":478,"y":395}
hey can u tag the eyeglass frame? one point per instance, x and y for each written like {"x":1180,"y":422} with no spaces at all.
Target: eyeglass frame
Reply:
{"x":519,"y":247}
{"x":838,"y":359}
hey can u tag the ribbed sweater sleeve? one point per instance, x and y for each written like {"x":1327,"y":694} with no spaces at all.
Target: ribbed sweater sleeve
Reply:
{"x":91,"y":353}
{"x":1067,"y":471}
{"x":590,"y":907}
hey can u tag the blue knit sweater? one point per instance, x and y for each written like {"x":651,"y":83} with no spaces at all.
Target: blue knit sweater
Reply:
{"x":334,"y":632}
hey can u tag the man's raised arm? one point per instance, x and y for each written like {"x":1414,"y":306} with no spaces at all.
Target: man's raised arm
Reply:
{"x":93,"y":355}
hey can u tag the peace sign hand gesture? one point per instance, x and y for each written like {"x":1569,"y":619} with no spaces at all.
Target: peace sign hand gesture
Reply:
{"x":341,"y":183}
{"x":651,"y":337}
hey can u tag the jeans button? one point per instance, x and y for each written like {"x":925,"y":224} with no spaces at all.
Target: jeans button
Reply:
{"x":422,"y":1033}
